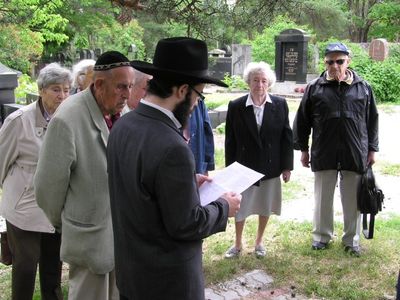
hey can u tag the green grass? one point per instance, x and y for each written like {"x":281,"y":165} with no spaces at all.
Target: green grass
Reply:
{"x":217,"y":99}
{"x":219,"y":158}
{"x":387,"y":168}
{"x":329,"y":274}
{"x":291,"y":189}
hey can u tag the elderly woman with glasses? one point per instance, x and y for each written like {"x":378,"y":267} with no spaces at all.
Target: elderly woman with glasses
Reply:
{"x":258,"y":135}
{"x":32,"y":239}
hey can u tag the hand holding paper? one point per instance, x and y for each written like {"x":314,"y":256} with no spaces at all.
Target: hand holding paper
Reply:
{"x":235,"y":178}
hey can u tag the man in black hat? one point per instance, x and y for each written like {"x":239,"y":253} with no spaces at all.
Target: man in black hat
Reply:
{"x":71,"y":180}
{"x":158,"y":220}
{"x":340,"y":109}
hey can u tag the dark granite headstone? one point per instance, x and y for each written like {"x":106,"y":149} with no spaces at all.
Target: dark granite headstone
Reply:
{"x":219,"y":66}
{"x":291,"y":55}
{"x":379,"y":49}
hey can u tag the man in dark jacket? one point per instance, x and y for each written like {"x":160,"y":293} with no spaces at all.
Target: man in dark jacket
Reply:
{"x":158,"y":220}
{"x":340,"y":109}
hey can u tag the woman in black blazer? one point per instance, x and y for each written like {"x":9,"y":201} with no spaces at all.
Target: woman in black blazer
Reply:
{"x":258,"y":135}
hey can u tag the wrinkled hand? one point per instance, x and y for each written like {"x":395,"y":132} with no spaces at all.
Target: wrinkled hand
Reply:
{"x":200,"y":178}
{"x":233,"y":200}
{"x":305,"y":159}
{"x":286,"y":175}
{"x":371,"y":158}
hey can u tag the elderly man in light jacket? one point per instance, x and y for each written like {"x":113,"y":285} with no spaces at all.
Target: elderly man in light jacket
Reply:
{"x":71,"y":182}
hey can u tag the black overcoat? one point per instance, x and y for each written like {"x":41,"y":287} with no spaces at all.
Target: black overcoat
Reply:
{"x":157,"y":218}
{"x":268,"y":150}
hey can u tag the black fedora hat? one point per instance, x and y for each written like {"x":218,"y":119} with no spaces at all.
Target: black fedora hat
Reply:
{"x":179,"y":58}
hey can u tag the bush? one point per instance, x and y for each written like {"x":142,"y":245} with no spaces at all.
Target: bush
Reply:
{"x":25,"y":85}
{"x":235,"y":82}
{"x":384,"y":79}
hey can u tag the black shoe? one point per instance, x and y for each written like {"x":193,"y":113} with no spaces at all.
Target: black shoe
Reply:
{"x":353,"y":250}
{"x":319,"y":245}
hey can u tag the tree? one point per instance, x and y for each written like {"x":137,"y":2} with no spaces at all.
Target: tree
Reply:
{"x":19,"y":47}
{"x":320,"y":15}
{"x":387,"y":21}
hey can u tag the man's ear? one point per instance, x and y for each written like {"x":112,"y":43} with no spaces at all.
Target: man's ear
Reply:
{"x":182,"y":90}
{"x":98,"y":82}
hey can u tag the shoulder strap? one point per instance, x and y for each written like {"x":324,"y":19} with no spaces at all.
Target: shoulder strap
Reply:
{"x":368,"y":232}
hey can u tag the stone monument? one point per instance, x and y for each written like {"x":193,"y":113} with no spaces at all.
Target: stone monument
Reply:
{"x":291,"y":55}
{"x":379,"y":49}
{"x":241,"y":57}
{"x":8,"y":83}
{"x":222,"y":62}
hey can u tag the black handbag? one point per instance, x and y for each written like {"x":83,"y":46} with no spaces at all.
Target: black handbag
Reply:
{"x":5,"y":255}
{"x":370,"y":201}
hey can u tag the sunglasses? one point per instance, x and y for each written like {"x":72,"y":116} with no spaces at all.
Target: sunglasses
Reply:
{"x":338,"y":61}
{"x":201,"y":96}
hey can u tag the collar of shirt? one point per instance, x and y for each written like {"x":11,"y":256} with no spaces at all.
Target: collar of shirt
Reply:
{"x":249,"y":101}
{"x":165,"y":111}
{"x":348,"y":79}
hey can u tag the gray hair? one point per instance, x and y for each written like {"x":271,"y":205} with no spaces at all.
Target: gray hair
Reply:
{"x":81,"y":68}
{"x":140,"y":77}
{"x":53,"y":74}
{"x":258,"y":67}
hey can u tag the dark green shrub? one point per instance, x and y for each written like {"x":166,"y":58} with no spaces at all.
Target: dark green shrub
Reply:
{"x":384,"y":78}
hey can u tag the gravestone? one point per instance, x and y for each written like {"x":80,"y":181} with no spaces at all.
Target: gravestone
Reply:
{"x":8,"y":82}
{"x":232,"y":62}
{"x":379,"y":49}
{"x":219,"y":64}
{"x":241,"y":57}
{"x":291,"y":55}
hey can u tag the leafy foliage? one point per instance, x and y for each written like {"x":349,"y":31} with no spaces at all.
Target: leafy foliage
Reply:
{"x":120,"y":37}
{"x":387,"y":21}
{"x":263,"y":45}
{"x":384,"y":79}
{"x":20,"y":47}
{"x":235,"y":82}
{"x":25,"y":85}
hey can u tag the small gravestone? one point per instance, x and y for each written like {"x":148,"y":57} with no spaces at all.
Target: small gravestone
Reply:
{"x":379,"y":49}
{"x":291,"y":55}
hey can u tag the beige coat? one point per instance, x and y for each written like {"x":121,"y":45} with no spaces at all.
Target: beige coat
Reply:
{"x":71,"y":183}
{"x":21,"y":138}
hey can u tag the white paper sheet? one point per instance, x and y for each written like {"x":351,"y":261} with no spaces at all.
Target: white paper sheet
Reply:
{"x":235,"y":178}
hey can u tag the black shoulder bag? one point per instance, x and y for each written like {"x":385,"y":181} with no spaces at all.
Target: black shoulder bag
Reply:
{"x":370,"y":200}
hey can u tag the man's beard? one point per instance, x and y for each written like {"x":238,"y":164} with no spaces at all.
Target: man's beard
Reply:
{"x":182,"y":110}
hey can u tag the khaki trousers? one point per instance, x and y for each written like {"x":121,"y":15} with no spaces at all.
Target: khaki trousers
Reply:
{"x":324,"y":188}
{"x":83,"y":284}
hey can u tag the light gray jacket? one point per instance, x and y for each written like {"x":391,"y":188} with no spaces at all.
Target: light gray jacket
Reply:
{"x":21,"y":137}
{"x":71,"y":183}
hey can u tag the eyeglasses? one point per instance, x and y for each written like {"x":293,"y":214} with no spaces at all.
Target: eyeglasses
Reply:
{"x":338,"y":61}
{"x":201,"y":96}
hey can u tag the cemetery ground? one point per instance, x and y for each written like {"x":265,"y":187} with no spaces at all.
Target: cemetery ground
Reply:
{"x":296,"y":270}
